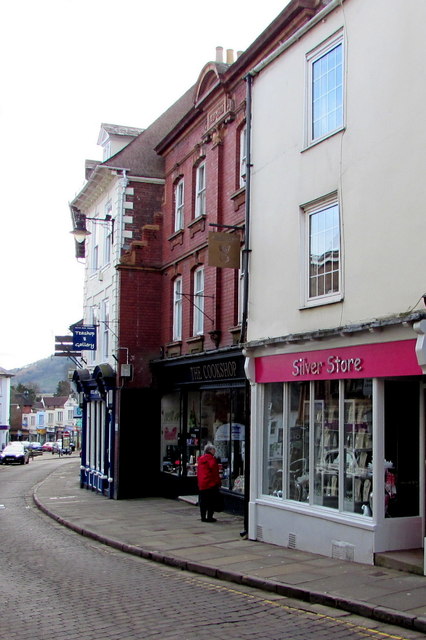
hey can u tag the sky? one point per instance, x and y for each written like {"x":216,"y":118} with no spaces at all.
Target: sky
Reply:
{"x":68,"y":66}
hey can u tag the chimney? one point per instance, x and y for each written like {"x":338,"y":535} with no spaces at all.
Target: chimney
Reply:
{"x":219,"y":54}
{"x":229,"y":56}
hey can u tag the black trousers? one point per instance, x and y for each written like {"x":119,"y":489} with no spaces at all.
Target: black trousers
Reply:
{"x":207,"y":499}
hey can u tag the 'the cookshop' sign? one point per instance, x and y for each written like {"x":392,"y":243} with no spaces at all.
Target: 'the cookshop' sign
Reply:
{"x":214,"y":371}
{"x":362,"y":361}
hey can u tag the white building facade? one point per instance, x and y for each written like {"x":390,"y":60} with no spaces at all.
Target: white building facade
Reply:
{"x":5,"y":377}
{"x":337,"y":283}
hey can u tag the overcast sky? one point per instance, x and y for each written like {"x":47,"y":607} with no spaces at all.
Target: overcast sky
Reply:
{"x":68,"y":66}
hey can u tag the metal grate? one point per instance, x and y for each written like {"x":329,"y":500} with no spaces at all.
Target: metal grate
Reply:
{"x":291,"y":540}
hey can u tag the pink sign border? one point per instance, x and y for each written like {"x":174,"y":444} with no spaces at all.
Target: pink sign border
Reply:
{"x":376,"y":360}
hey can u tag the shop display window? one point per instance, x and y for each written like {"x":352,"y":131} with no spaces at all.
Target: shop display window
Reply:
{"x":326,"y":443}
{"x":273,"y":441}
{"x":330,"y":421}
{"x":191,"y":420}
{"x":298,"y":442}
{"x":171,"y":433}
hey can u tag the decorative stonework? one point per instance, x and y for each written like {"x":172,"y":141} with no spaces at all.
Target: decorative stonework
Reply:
{"x":176,"y":239}
{"x":197,"y":225}
{"x":195,"y":344}
{"x":173,"y":350}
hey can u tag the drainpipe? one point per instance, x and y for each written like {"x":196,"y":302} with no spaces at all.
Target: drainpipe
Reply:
{"x":115,"y":437}
{"x":246,"y":250}
{"x":243,"y":337}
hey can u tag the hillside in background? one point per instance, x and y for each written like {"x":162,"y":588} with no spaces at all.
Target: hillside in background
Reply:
{"x":44,"y":373}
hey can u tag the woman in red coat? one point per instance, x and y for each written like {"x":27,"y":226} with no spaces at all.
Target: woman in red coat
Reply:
{"x":208,"y":483}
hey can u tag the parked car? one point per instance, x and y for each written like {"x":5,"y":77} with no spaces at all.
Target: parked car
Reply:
{"x":35,"y":448}
{"x":48,"y":446}
{"x":15,"y":452}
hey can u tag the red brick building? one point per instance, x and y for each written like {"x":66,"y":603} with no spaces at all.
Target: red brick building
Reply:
{"x":200,"y":377}
{"x":180,"y":309}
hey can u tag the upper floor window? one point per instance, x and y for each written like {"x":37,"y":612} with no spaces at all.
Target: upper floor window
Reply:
{"x":325,"y":92}
{"x":200,"y":190}
{"x":198,"y":328}
{"x":177,"y":309}
{"x":70,"y":414}
{"x":179,"y":204}
{"x":60,"y":416}
{"x":105,"y":329}
{"x":243,"y":156}
{"x":95,"y":247}
{"x":108,"y":234}
{"x":322,"y":274}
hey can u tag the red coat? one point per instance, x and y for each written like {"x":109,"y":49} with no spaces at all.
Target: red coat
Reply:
{"x":207,"y":472}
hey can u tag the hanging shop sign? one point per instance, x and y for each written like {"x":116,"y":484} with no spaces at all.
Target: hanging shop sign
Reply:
{"x":224,"y":249}
{"x":361,"y":361}
{"x":84,"y":338}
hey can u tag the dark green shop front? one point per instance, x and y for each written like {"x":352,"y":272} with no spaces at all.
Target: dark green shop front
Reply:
{"x":204,"y":400}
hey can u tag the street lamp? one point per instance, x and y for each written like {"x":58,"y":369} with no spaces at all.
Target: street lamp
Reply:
{"x":80,"y":232}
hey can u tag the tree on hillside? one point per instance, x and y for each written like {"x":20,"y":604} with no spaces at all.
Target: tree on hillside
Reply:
{"x":22,"y":392}
{"x":63,"y":388}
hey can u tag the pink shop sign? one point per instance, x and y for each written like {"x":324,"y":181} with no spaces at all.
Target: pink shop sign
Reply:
{"x":361,"y":361}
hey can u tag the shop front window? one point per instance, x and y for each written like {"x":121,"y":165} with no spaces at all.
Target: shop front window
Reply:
{"x":273,"y":441}
{"x":330,"y":421}
{"x":170,"y":430}
{"x":298,"y":442}
{"x":191,"y":420}
{"x":326,"y":443}
{"x":223,"y":424}
{"x":358,"y":446}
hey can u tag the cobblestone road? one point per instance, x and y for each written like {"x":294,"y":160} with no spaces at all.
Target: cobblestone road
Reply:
{"x":55,"y":584}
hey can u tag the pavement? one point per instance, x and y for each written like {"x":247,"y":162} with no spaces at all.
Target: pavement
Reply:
{"x":170,"y":532}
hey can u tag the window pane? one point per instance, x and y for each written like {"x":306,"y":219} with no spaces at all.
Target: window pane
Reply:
{"x":326,"y":443}
{"x":177,"y":309}
{"x":324,"y":252}
{"x":358,"y":446}
{"x":273,"y":441}
{"x":298,"y":442}
{"x":327,"y":94}
{"x":199,"y":302}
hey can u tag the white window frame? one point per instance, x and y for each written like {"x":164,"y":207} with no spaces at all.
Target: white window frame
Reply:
{"x":307,"y":212}
{"x":95,"y":248}
{"x":200,"y":190}
{"x":243,"y":156}
{"x":198,"y":318}
{"x":179,"y":204}
{"x":105,"y":329}
{"x":177,"y":308}
{"x":107,"y":235}
{"x":312,"y":59}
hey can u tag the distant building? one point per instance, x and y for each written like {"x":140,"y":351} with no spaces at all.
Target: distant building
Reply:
{"x":5,"y":378}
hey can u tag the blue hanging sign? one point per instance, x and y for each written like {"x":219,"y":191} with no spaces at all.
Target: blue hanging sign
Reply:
{"x":84,"y":338}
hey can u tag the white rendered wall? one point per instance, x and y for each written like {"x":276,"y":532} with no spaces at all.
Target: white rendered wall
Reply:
{"x":376,"y":166}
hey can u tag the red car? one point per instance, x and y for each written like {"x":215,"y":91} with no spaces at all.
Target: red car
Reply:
{"x":48,"y":446}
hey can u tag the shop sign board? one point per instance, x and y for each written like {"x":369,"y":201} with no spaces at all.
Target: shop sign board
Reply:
{"x":202,"y":371}
{"x":84,"y":338}
{"x":362,"y":361}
